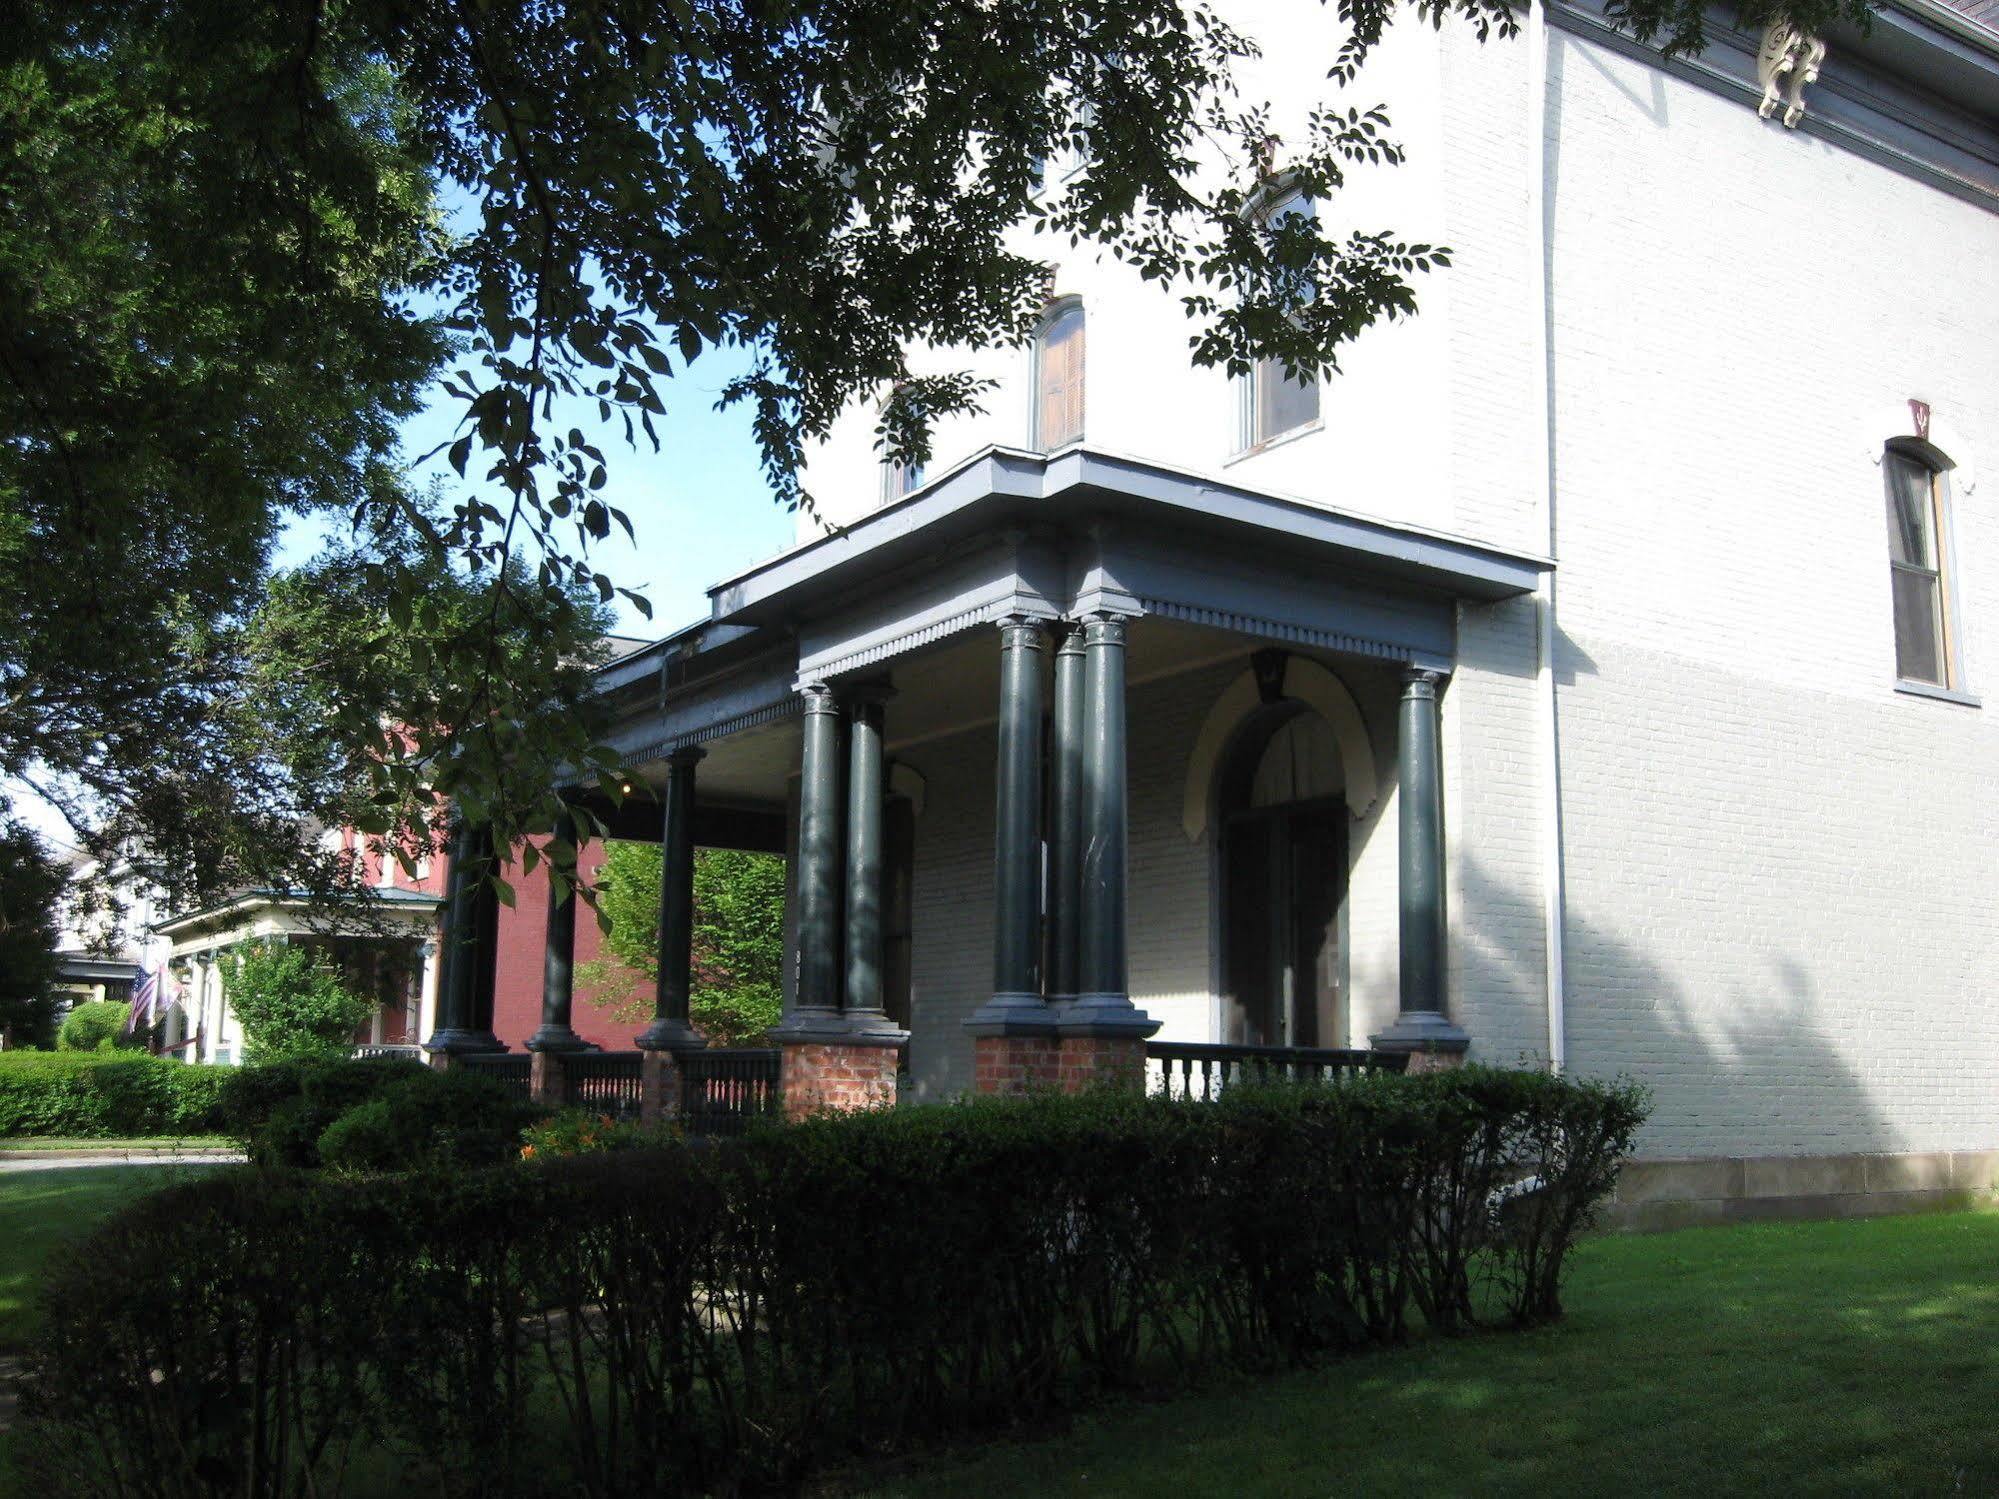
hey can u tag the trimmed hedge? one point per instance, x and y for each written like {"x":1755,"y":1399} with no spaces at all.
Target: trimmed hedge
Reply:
{"x":727,"y":1319}
{"x":377,"y":1114}
{"x":107,"y":1094}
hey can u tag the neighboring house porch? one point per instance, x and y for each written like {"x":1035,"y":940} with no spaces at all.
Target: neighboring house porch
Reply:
{"x":1065,"y":754}
{"x":389,"y":951}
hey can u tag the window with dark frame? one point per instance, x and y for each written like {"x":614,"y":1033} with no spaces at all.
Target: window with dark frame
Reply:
{"x":1918,"y":540}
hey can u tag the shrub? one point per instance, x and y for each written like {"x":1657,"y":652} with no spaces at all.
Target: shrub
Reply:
{"x":725,"y":1319}
{"x":431,"y":1119}
{"x":291,"y":1005}
{"x":100,"y":1094}
{"x":94,"y":1025}
{"x":579,"y":1132}
{"x":280,"y":1109}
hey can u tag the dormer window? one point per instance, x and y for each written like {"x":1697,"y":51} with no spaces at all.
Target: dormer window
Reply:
{"x":1274,"y":403}
{"x":1058,"y":378}
{"x":1919,"y":569}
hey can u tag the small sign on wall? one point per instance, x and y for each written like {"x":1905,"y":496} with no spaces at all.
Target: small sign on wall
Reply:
{"x":1919,"y":416}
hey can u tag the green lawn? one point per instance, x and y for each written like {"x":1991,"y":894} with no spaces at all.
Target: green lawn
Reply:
{"x":1821,"y":1358}
{"x":42,"y":1210}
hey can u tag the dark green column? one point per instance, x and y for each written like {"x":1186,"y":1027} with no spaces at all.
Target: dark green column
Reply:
{"x":1103,"y":1002}
{"x":558,"y":964}
{"x":1065,"y":815}
{"x":1422,"y":1024}
{"x":867,"y":772}
{"x":821,"y":857}
{"x":1016,"y":1004}
{"x":670,"y":1029}
{"x":470,"y":931}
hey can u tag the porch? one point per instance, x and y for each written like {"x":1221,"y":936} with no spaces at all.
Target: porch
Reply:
{"x":1065,"y":756}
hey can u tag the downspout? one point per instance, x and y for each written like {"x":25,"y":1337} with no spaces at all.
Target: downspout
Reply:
{"x":1553,"y":897}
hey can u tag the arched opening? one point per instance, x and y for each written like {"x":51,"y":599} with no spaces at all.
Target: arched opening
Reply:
{"x":1282,"y":866}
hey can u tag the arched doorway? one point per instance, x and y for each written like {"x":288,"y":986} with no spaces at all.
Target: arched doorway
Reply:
{"x":1282,"y":880}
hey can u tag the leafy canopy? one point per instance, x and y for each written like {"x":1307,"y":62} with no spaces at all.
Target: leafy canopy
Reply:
{"x":738,"y":946}
{"x":32,"y":886}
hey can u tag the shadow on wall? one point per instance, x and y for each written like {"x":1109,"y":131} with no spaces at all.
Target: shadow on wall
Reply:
{"x":1756,"y":1076}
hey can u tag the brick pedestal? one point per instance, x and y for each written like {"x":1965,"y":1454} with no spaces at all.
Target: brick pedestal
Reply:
{"x":842,"y":1077}
{"x":1102,"y":1062}
{"x":1434,"y":1061}
{"x":1008,"y":1066}
{"x":659,"y":1088}
{"x":545,"y":1079}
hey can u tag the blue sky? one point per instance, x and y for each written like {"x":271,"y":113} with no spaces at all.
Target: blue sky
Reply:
{"x":699,"y":506}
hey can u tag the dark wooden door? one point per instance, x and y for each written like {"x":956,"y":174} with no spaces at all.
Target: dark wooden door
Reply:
{"x":1283,"y":882}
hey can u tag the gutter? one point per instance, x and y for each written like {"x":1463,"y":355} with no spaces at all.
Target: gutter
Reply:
{"x":1553,"y":894}
{"x":1958,"y":24}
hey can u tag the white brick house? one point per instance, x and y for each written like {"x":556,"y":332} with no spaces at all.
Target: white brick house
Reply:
{"x":1620,"y":494}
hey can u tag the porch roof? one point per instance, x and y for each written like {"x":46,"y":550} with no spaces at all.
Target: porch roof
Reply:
{"x":1003,"y":487}
{"x":1000,"y":490}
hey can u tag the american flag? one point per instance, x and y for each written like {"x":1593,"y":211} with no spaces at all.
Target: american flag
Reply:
{"x":145,"y":999}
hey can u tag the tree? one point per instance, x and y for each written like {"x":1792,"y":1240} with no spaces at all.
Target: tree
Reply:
{"x":291,"y":1005}
{"x":215,"y":222}
{"x":32,"y":886}
{"x":738,"y":947}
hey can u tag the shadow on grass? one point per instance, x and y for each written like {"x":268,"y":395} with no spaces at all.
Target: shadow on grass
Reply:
{"x":1847,"y":1357}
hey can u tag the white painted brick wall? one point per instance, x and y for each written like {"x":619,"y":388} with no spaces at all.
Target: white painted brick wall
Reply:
{"x":1783,"y":876}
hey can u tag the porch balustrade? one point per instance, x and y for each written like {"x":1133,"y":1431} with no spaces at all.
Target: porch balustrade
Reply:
{"x":1193,"y":1070}
{"x":604,"y":1082}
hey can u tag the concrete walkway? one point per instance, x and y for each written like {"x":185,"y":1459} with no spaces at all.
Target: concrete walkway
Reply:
{"x":116,"y":1155}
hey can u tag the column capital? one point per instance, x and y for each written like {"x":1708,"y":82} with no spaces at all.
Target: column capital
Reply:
{"x":873,"y":694}
{"x":1421,"y":681}
{"x":819,"y":698}
{"x":1071,"y":642}
{"x":687,"y":757}
{"x":1023,"y":631}
{"x":1103,"y":628}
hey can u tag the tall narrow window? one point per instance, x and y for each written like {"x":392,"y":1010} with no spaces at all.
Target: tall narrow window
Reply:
{"x":1276,"y":402}
{"x":1918,"y":536}
{"x":1058,"y":378}
{"x":899,"y":479}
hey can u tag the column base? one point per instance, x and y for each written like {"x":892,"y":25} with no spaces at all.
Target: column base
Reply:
{"x":1008,"y":1066}
{"x":1431,"y":1041}
{"x":670,"y":1035}
{"x":445,"y":1044}
{"x":1108,"y":1016}
{"x":1088,"y":1062}
{"x":558,"y":1038}
{"x":837,"y":1076}
{"x":1013,"y":1015}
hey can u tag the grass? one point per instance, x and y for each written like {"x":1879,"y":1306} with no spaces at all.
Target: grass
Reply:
{"x":40,"y":1211}
{"x":1814,"y":1358}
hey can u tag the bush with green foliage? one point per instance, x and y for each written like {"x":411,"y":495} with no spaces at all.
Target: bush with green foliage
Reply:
{"x":436,"y":1120}
{"x":581,"y":1132}
{"x":108,"y":1094}
{"x":95,"y":1025}
{"x":280,"y":1109}
{"x":291,"y":1005}
{"x":728,"y":1319}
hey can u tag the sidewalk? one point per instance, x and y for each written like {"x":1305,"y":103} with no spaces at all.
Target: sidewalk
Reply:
{"x":115,"y":1153}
